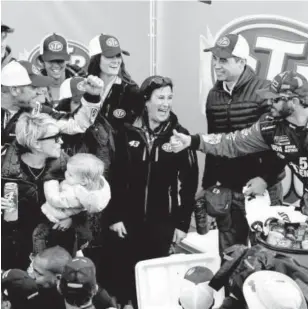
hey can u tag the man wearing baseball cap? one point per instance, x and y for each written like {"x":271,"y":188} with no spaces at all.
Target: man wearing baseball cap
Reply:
{"x":284,"y":130}
{"x":78,"y":284}
{"x":18,"y":290}
{"x":52,"y":263}
{"x":232,"y":104}
{"x":55,"y":57}
{"x":22,"y":90}
{"x":6,"y":52}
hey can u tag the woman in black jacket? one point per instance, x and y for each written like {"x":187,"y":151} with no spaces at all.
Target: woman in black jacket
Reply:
{"x":146,"y":214}
{"x":34,"y":158}
{"x":121,"y":100}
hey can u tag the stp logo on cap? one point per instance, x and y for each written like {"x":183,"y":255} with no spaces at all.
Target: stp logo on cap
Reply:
{"x":79,"y":55}
{"x":112,"y":42}
{"x":55,"y":46}
{"x":223,"y":42}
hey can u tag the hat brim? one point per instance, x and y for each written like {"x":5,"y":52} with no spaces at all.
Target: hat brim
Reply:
{"x":41,"y":81}
{"x":5,"y":28}
{"x":113,"y":54}
{"x":266,"y":93}
{"x":251,"y":297}
{"x":55,"y":56}
{"x":221,"y":53}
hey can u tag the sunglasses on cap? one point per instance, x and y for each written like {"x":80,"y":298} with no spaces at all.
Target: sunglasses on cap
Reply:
{"x":284,"y":99}
{"x":56,"y":137}
{"x":159,"y":80}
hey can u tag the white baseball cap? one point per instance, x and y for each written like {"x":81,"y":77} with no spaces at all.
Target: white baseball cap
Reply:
{"x":72,"y":87}
{"x":230,"y":45}
{"x":195,"y":291}
{"x":22,"y":73}
{"x":267,"y":289}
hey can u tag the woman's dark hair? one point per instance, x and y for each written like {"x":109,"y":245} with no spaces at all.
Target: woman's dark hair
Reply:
{"x":94,"y":69}
{"x":154,"y":82}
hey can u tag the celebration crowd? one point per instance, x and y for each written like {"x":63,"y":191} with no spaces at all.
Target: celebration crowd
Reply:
{"x":99,"y":174}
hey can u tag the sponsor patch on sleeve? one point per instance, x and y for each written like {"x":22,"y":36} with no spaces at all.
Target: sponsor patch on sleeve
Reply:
{"x":212,"y":138}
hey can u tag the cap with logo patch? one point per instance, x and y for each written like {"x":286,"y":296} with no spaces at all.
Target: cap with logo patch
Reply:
{"x":288,"y":83}
{"x":106,"y":45}
{"x":72,"y":87}
{"x":230,"y":45}
{"x":18,"y":287}
{"x":22,"y":73}
{"x":54,"y":47}
{"x":79,"y":276}
{"x":6,"y":28}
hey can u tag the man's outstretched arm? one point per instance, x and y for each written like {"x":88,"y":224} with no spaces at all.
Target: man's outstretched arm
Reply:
{"x":230,"y":145}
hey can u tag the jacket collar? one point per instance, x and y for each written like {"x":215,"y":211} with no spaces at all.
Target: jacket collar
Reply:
{"x":163,"y":129}
{"x":244,"y":78}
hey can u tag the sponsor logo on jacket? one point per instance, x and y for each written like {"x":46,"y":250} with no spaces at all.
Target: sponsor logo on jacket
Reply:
{"x":167,"y":147}
{"x":119,"y":113}
{"x":134,"y":143}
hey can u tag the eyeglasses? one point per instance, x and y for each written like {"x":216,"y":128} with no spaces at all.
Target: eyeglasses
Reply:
{"x":56,"y":137}
{"x":160,"y":80}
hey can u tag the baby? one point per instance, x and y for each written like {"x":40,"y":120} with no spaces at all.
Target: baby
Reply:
{"x":84,"y":189}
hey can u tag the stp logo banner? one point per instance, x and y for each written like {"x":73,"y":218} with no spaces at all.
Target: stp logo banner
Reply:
{"x":276,"y":44}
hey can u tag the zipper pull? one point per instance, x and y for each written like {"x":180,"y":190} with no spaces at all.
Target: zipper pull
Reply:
{"x":144,"y":154}
{"x":156,"y":154}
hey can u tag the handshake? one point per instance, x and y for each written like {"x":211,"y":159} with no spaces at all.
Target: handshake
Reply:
{"x":179,"y":141}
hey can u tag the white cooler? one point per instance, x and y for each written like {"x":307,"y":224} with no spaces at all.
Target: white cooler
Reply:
{"x":158,"y":281}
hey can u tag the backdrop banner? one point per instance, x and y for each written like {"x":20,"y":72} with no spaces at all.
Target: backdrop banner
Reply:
{"x":168,"y":37}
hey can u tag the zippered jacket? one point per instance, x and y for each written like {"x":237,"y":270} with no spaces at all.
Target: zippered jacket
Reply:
{"x":230,"y":112}
{"x":146,"y":175}
{"x":288,"y":141}
{"x":123,"y":104}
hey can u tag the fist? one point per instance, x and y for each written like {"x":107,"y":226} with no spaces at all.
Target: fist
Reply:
{"x":93,"y":85}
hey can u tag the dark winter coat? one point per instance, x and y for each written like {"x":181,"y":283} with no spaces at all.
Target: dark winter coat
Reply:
{"x":227,"y":113}
{"x":145,"y":176}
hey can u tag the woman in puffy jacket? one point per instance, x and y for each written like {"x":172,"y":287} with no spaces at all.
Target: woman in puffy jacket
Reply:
{"x":153,"y":188}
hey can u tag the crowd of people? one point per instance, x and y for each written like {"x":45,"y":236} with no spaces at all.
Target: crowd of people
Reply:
{"x":99,"y":174}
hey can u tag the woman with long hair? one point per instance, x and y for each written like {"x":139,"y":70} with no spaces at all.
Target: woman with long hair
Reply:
{"x":121,"y":98}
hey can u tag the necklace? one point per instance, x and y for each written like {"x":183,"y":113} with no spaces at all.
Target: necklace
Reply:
{"x":36,"y":177}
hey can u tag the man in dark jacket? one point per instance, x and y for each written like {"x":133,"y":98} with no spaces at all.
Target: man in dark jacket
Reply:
{"x":285,"y":130}
{"x":6,"y":52}
{"x":232,"y":104}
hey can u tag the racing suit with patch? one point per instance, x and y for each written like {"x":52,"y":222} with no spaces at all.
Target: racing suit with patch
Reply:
{"x":289,"y":141}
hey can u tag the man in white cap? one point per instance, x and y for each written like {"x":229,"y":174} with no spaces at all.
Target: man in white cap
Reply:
{"x":6,"y":52}
{"x":22,"y":87}
{"x":232,"y":104}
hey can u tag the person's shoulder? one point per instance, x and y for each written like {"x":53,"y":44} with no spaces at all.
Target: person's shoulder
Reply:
{"x":10,"y":164}
{"x":180,"y":128}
